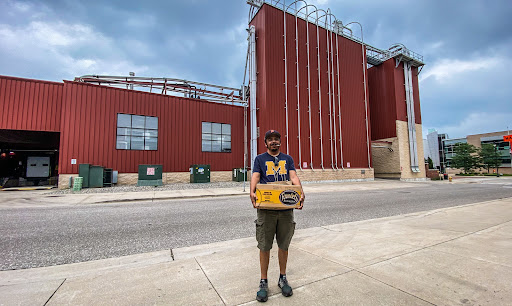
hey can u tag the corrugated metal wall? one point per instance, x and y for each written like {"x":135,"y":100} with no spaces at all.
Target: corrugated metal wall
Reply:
{"x":272,"y":97}
{"x":382,"y":100}
{"x":387,"y":98}
{"x":27,"y":104}
{"x":88,"y":130}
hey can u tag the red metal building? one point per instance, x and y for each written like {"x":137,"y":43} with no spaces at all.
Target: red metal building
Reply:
{"x":326,"y":102}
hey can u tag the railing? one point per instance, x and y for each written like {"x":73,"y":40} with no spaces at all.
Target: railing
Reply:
{"x":170,"y":86}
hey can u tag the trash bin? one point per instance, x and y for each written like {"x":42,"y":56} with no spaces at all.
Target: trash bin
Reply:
{"x":445,"y":176}
{"x":83,"y":172}
{"x":239,"y":175}
{"x":95,"y":176}
{"x":200,"y":173}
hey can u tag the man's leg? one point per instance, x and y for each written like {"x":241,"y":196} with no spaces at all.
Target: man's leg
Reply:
{"x":283,"y":259}
{"x":264,"y":260}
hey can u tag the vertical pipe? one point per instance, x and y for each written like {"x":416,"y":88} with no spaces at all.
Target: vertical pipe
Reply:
{"x":309,"y":94}
{"x":339,"y":102}
{"x":297,"y":85}
{"x":333,"y":116}
{"x":365,"y":98}
{"x":252,"y":97}
{"x":285,"y":77}
{"x":329,"y":85}
{"x":319,"y":94}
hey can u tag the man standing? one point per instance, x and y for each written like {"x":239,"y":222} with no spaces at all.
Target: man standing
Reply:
{"x":273,"y":166}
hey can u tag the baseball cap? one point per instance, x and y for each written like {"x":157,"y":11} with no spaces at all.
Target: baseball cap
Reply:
{"x":270,"y":133}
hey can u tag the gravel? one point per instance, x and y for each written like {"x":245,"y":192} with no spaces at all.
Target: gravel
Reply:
{"x":175,"y":186}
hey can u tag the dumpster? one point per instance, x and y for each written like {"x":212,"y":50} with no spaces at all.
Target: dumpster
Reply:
{"x":83,"y":172}
{"x":239,"y":175}
{"x":200,"y":173}
{"x":150,"y":175}
{"x":95,"y":176}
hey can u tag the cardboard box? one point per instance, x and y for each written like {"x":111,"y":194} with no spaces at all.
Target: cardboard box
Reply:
{"x":278,"y":196}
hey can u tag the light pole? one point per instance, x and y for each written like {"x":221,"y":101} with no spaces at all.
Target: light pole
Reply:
{"x":496,"y":160}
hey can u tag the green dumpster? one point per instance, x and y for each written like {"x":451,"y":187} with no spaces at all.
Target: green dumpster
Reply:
{"x":239,"y":175}
{"x":150,"y":175}
{"x":83,"y":172}
{"x":200,"y":173}
{"x":95,"y":176}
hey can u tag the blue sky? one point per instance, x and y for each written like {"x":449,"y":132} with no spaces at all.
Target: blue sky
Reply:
{"x":465,"y":87}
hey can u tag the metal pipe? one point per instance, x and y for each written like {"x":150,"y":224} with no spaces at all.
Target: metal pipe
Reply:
{"x":339,"y":103}
{"x":285,"y":78}
{"x":319,"y":89}
{"x":333,"y":116}
{"x":252,"y":98}
{"x":298,"y":82}
{"x":309,"y":89}
{"x":329,"y":83}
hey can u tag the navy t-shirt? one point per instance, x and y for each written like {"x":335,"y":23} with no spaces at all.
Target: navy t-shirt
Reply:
{"x":273,"y":169}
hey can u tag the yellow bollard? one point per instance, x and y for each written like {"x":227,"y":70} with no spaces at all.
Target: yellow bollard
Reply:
{"x":450,"y":178}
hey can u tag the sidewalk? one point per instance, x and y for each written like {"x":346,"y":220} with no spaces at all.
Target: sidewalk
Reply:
{"x":451,"y":256}
{"x":38,"y":198}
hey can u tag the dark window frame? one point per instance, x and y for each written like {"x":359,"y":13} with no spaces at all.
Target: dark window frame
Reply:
{"x":144,"y":134}
{"x":211,"y":137}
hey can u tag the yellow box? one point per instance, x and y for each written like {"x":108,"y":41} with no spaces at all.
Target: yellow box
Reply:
{"x":278,"y":196}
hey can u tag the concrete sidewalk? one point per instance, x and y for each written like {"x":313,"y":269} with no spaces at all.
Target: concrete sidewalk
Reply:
{"x":451,"y":256}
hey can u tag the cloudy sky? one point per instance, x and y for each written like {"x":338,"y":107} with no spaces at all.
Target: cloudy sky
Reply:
{"x":465,"y":87}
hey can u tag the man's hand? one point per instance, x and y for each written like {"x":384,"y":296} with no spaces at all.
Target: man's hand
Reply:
{"x":253,"y":199}
{"x":301,"y":201}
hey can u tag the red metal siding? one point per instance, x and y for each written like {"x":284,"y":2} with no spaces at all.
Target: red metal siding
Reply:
{"x":30,"y":104}
{"x":382,"y":100}
{"x":88,"y":130}
{"x":387,"y":98}
{"x":271,"y":90}
{"x":416,"y":94}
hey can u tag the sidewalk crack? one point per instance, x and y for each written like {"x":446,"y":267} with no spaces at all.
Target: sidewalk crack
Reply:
{"x":408,"y":293}
{"x":172,"y":255}
{"x":54,"y":292}
{"x":220,"y":297}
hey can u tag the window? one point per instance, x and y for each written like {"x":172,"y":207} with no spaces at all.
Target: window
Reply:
{"x":216,"y":137}
{"x":137,"y":132}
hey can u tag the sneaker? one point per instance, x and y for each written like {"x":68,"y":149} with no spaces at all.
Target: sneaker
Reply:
{"x":262,"y":295}
{"x":285,"y":288}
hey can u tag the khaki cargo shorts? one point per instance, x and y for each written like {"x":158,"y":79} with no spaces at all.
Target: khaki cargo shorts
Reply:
{"x":278,"y":223}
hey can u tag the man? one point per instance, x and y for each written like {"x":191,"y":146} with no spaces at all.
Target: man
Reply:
{"x":273,"y":166}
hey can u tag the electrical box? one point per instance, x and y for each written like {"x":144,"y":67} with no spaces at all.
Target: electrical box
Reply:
{"x":200,"y":173}
{"x":150,"y":175}
{"x":239,"y":175}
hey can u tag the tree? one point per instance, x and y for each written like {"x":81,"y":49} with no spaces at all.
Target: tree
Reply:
{"x":465,"y":157}
{"x":491,"y":158}
{"x":430,"y":163}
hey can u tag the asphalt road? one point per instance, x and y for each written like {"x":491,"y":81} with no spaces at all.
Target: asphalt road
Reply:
{"x":37,"y":237}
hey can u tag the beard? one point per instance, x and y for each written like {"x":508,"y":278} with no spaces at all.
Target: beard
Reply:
{"x":274,"y":148}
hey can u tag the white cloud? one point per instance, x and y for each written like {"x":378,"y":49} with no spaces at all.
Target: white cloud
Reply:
{"x":71,"y":50}
{"x":447,"y":69}
{"x":477,"y":123}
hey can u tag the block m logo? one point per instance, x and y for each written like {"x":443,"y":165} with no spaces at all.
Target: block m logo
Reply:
{"x":272,"y":169}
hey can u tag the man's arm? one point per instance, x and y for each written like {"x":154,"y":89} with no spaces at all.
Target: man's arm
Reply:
{"x":255,"y":179}
{"x":295,"y":181}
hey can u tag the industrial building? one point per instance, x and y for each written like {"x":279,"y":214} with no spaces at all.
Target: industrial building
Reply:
{"x":346,"y":110}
